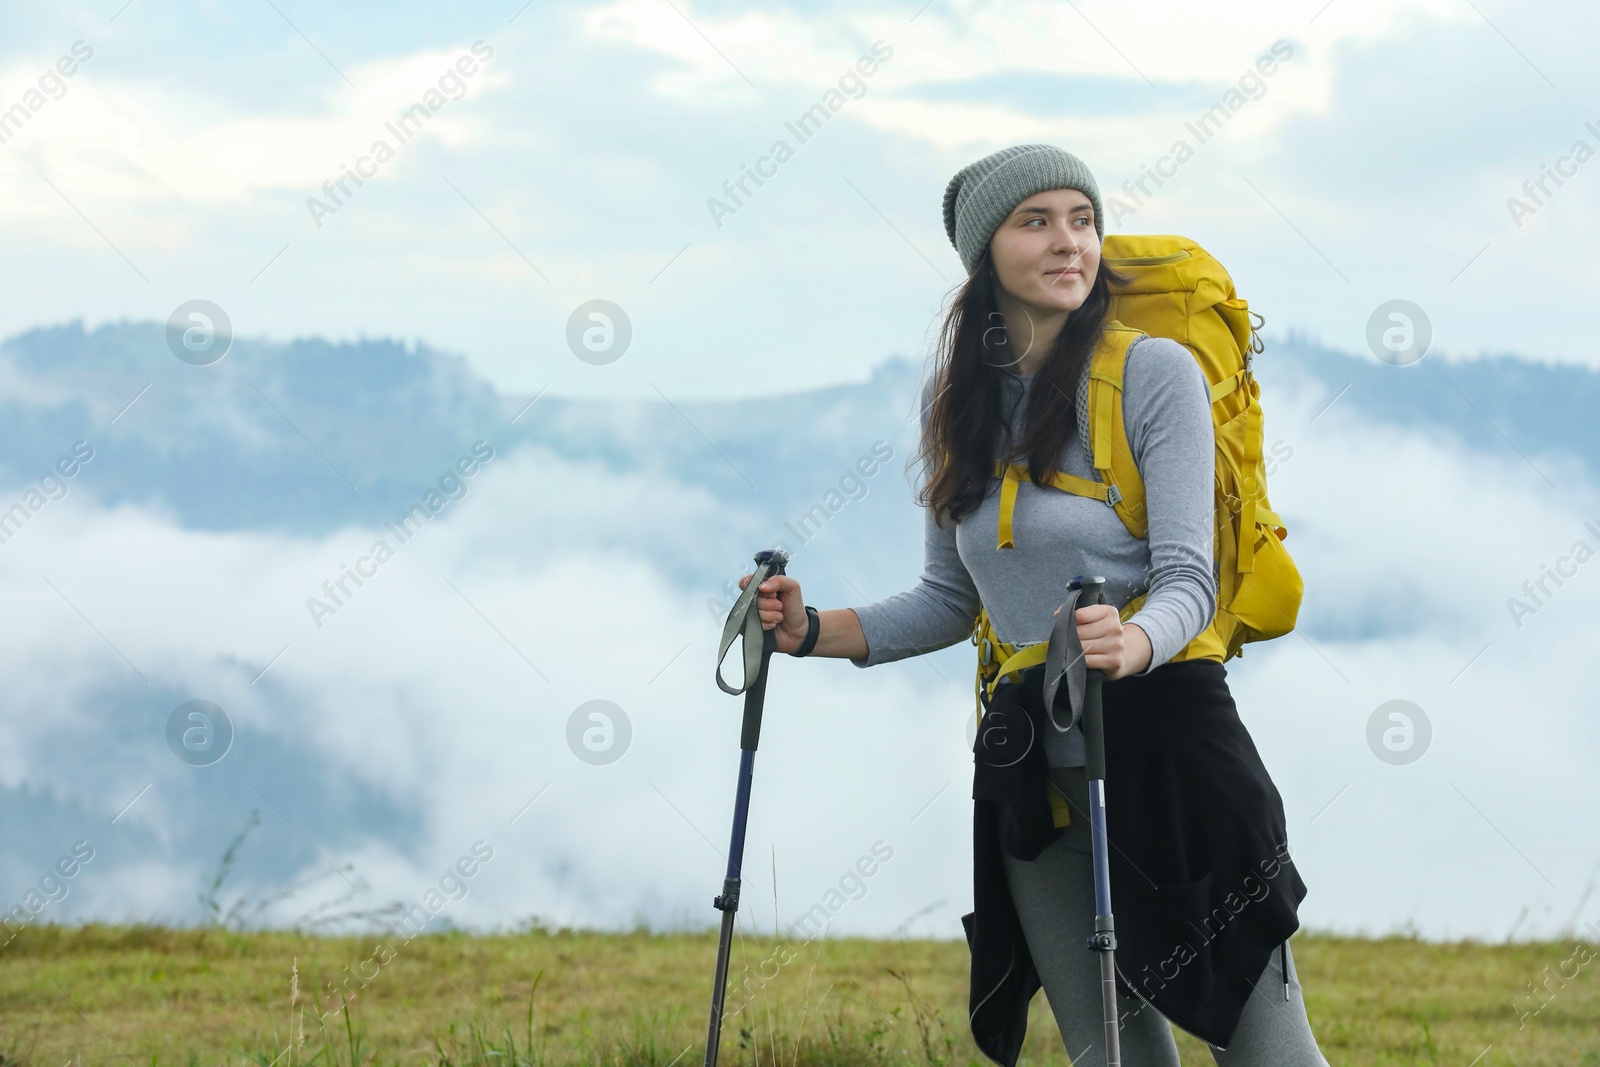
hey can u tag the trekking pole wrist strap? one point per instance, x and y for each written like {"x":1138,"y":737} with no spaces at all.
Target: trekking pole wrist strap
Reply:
{"x":812,"y":631}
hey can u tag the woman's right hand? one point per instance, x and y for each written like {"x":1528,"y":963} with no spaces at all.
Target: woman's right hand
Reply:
{"x":782,"y":610}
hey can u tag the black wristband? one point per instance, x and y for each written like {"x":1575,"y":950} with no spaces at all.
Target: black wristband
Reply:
{"x":811,"y":634}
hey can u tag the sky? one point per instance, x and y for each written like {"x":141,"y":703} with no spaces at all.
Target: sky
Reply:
{"x":190,"y":156}
{"x":579,"y":159}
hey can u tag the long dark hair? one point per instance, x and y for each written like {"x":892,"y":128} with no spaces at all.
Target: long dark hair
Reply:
{"x":960,"y":439}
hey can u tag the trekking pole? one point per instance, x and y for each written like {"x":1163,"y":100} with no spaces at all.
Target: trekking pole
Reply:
{"x":759,"y":644}
{"x":1104,"y":938}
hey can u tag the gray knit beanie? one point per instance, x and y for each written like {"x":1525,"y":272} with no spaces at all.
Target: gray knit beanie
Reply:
{"x":982,"y":194}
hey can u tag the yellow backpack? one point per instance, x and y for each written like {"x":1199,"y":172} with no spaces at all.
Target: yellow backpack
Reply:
{"x":1179,"y":291}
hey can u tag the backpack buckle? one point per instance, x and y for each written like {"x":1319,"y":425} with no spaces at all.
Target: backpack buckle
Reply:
{"x":1113,"y":496}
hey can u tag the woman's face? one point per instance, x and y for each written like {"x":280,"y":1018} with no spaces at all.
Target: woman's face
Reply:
{"x":1046,"y":252}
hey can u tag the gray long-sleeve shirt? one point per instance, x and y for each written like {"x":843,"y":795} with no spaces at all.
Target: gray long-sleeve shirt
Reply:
{"x":1057,"y":535}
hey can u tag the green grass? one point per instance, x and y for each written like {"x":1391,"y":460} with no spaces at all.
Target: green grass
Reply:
{"x":142,"y":996}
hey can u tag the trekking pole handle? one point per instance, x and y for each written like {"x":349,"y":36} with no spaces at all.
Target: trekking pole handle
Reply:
{"x":755,"y":697}
{"x":1093,"y":590}
{"x":1093,"y":723}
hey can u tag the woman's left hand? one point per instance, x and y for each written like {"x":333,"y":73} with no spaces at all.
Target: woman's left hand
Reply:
{"x":1109,"y":646}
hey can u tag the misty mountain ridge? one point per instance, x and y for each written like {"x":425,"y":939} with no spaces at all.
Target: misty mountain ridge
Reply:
{"x":307,"y":436}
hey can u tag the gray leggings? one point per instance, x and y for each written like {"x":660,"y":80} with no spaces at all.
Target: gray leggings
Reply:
{"x":1060,"y":882}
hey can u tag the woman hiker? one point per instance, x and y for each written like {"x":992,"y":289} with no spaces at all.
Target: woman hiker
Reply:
{"x":1191,"y":812}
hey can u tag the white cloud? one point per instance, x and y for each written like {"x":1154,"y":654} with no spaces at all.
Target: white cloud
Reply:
{"x":111,"y":139}
{"x":1171,"y":43}
{"x":426,"y":696}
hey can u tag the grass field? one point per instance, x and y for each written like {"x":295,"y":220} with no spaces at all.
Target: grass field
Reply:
{"x":148,"y":996}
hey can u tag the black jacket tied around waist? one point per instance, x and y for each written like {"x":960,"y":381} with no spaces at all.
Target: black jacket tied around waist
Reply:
{"x":1202,"y":886}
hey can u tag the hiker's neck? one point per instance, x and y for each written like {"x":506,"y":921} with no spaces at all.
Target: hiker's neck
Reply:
{"x":1030,"y":332}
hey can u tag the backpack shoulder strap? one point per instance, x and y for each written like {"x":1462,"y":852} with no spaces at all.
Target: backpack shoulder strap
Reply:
{"x":1113,"y":458}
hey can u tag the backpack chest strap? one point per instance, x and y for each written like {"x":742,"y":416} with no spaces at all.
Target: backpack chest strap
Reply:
{"x":1011,"y":475}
